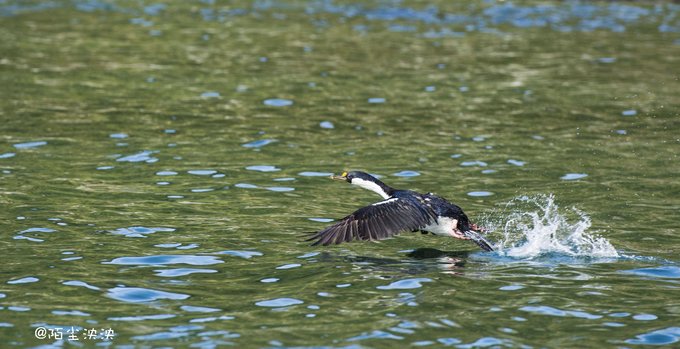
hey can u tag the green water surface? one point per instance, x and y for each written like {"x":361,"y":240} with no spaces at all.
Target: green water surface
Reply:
{"x":184,"y":147}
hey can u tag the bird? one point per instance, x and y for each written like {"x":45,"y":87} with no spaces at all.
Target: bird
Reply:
{"x":398,"y":211}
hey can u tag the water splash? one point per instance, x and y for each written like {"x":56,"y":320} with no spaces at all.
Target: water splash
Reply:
{"x":536,"y":226}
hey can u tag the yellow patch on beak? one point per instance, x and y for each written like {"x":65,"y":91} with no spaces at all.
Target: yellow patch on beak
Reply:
{"x":344,"y":174}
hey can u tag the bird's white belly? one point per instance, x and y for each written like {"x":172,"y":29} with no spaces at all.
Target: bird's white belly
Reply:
{"x":444,"y":226}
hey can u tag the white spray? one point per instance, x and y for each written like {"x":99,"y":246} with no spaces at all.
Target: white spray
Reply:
{"x":535,"y":226}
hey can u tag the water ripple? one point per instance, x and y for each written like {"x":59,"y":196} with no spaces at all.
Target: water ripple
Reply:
{"x":546,"y":310}
{"x":29,"y":145}
{"x":140,"y":294}
{"x":143,"y":156}
{"x":182,"y":272}
{"x":573,"y":176}
{"x":25,"y":280}
{"x":289,"y":266}
{"x":242,"y":254}
{"x":166,"y":259}
{"x":664,"y":336}
{"x":263,"y":168}
{"x":279,"y":302}
{"x":406,"y":174}
{"x":669,"y":272}
{"x":473,"y":163}
{"x":202,"y":172}
{"x":80,"y":284}
{"x":278,"y":102}
{"x":258,"y":144}
{"x":195,"y":309}
{"x":143,"y":317}
{"x":280,"y":189}
{"x":139,"y":232}
{"x":327,"y":125}
{"x":405,"y":284}
{"x":315,"y":174}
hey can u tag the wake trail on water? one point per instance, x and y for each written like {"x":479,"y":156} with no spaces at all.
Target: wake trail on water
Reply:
{"x":535,"y":226}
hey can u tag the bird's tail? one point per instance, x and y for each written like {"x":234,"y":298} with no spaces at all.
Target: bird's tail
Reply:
{"x":478,"y":239}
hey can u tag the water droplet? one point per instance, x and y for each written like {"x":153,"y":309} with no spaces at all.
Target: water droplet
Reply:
{"x":166,"y":173}
{"x":118,"y":135}
{"x":269,"y":280}
{"x":7,"y":155}
{"x":629,"y":112}
{"x":479,"y":193}
{"x":377,"y":100}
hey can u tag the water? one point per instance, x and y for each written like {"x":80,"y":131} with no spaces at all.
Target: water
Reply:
{"x":160,"y":164}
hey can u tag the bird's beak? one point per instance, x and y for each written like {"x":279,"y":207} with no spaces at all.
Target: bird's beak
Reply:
{"x":341,"y":177}
{"x":478,"y":239}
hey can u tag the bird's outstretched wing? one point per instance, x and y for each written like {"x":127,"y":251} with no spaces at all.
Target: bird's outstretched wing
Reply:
{"x":377,"y":221}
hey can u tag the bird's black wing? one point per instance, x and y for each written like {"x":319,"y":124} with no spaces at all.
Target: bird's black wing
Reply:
{"x":377,"y":221}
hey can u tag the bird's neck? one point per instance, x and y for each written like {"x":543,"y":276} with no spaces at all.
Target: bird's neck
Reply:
{"x":376,"y":186}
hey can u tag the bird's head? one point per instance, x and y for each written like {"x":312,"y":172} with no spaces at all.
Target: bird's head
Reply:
{"x":366,"y":181}
{"x":353,"y":177}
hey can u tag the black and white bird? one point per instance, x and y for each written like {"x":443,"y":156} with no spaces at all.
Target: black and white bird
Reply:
{"x":400,"y":210}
